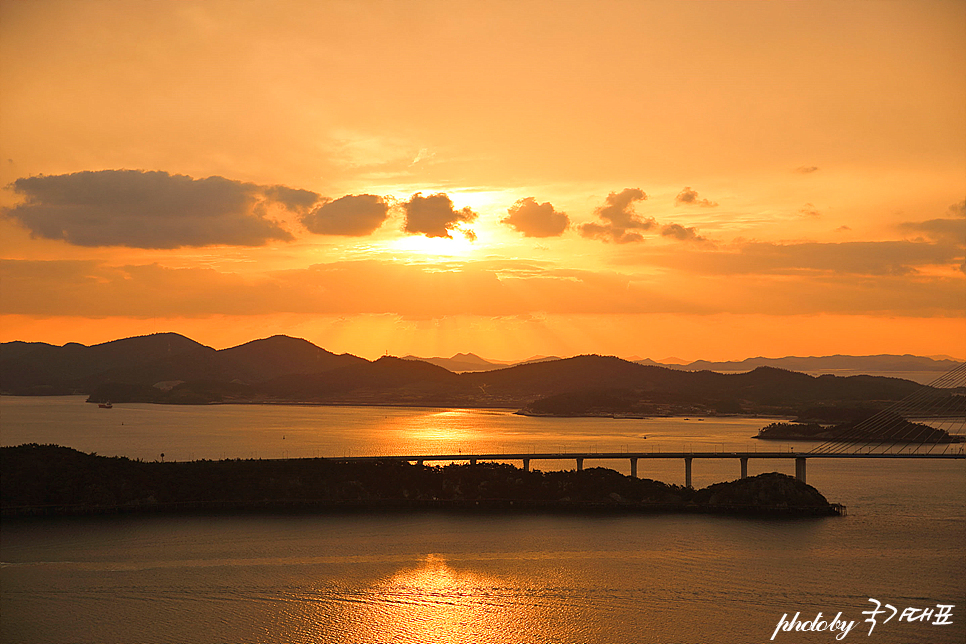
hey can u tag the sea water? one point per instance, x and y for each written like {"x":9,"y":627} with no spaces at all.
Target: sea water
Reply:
{"x":439,"y":577}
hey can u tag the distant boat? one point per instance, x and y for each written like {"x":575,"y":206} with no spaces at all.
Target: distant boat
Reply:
{"x":106,"y":405}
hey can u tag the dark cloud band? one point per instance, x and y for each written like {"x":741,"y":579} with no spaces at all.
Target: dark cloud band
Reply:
{"x":90,"y":288}
{"x":158,"y":210}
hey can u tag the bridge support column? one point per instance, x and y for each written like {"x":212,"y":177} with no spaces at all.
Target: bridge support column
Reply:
{"x":633,"y":468}
{"x":687,"y":471}
{"x":526,"y":465}
{"x":472,"y":461}
{"x":580,"y":464}
{"x":744,"y":467}
{"x":419,"y":462}
{"x":800,"y":468}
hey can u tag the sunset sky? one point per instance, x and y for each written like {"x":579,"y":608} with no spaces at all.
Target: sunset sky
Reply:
{"x":713,"y":180}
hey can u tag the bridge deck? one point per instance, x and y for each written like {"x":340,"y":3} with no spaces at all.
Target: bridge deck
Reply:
{"x":563,"y":456}
{"x":634,"y":457}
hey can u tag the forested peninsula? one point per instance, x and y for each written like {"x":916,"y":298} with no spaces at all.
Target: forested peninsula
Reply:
{"x":885,"y":428}
{"x":49,"y":480}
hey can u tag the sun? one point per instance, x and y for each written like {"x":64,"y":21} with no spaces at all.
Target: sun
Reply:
{"x":455,"y":246}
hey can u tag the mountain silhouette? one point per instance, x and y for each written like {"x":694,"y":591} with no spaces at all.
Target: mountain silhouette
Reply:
{"x":281,"y":355}
{"x":170,"y":368}
{"x":161,"y":357}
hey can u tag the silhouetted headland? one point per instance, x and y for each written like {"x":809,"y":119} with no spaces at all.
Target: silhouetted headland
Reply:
{"x":172,"y":369}
{"x":888,"y":428}
{"x":49,"y":480}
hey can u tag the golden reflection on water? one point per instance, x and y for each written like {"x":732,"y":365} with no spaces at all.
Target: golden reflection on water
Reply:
{"x":437,"y":603}
{"x":453,"y":425}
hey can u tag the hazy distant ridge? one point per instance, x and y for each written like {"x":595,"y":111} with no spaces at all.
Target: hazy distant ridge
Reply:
{"x":170,"y":368}
{"x":878,"y":364}
{"x":869,"y":364}
{"x":464,"y":362}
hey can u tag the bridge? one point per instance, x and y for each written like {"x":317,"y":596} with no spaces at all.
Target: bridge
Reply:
{"x":688,"y":458}
{"x":887,"y":434}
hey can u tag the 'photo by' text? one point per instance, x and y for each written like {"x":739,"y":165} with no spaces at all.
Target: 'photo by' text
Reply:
{"x":841,"y":626}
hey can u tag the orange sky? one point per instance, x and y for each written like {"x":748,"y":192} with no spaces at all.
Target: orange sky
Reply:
{"x":691,"y":179}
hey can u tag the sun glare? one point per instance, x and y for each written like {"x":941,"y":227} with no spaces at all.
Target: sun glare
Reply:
{"x":457,"y":246}
{"x":478,"y":200}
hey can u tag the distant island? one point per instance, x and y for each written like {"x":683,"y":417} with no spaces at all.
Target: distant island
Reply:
{"x":889,"y":428}
{"x":49,"y":480}
{"x":168,"y":368}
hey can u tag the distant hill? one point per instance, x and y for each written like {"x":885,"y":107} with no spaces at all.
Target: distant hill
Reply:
{"x":76,"y":367}
{"x":464,"y":362}
{"x":37,"y":368}
{"x":461,"y":362}
{"x":920,"y":369}
{"x":658,"y":390}
{"x":280,"y":355}
{"x":387,"y":380}
{"x":170,"y":368}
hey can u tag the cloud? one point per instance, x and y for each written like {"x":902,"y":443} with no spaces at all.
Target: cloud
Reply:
{"x":619,"y":218}
{"x":78,"y":287}
{"x":422,"y":155}
{"x":91,"y":288}
{"x":142,"y":209}
{"x":294,"y":199}
{"x":887,"y":258}
{"x":689,"y":197}
{"x":483,"y":288}
{"x":435,"y":216}
{"x":679,"y":232}
{"x":958,"y":209}
{"x":351,"y":215}
{"x":536,"y":219}
{"x":952,"y":231}
{"x":806,"y":169}
{"x":809,"y":210}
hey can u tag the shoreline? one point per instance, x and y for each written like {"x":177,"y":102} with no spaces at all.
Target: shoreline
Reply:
{"x":390,"y":506}
{"x":517,"y":411}
{"x":50,"y":480}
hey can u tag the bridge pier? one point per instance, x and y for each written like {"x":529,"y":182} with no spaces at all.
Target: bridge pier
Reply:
{"x":687,"y":471}
{"x":580,"y":464}
{"x":472,"y":461}
{"x":633,"y":468}
{"x":744,"y":467}
{"x":526,"y":465}
{"x":419,"y":462}
{"x":800,"y":468}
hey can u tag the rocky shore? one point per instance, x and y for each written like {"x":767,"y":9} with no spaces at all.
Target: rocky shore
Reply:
{"x":49,"y":480}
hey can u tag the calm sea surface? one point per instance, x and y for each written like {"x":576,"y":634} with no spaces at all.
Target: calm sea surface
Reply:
{"x":432,"y":577}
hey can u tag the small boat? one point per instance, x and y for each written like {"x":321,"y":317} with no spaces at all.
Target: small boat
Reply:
{"x":106,"y":405}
